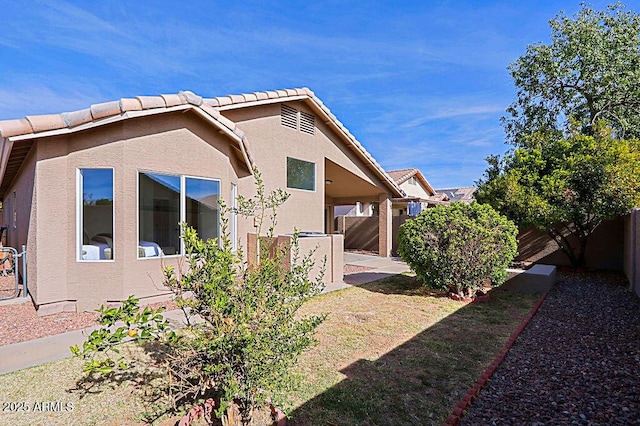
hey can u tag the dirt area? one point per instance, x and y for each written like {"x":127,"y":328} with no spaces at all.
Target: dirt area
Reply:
{"x":358,"y":251}
{"x":354,"y":269}
{"x":7,"y":285}
{"x":20,"y":322}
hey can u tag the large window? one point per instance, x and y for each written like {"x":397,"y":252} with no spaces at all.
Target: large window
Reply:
{"x":95,"y":214}
{"x":159,"y":214}
{"x":165,"y":201}
{"x":202,"y":206}
{"x":301,"y":174}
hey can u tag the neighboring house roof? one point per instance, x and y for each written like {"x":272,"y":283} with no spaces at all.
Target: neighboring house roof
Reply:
{"x":401,"y":176}
{"x":464,"y":194}
{"x":32,"y":127}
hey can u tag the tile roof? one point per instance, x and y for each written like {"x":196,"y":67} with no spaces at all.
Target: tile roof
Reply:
{"x":464,"y":194}
{"x":31,"y":127}
{"x":70,"y":120}
{"x":401,"y":176}
{"x":306,"y":94}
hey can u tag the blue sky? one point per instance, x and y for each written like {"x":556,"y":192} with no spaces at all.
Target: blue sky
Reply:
{"x":419,"y":83}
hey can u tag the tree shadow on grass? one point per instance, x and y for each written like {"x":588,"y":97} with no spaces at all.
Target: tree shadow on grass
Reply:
{"x":403,"y":284}
{"x":145,"y":374}
{"x":421,"y":380}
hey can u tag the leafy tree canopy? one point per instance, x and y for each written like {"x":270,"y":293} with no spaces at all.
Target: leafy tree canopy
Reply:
{"x":589,"y":72}
{"x":566,"y":186}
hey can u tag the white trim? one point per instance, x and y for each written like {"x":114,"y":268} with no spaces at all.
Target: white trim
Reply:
{"x":80,"y":216}
{"x":162,"y":255}
{"x":234,"y":216}
{"x":182,"y":207}
{"x":218,"y":210}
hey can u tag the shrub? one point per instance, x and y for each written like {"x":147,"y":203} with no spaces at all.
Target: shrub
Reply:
{"x":243,"y":336}
{"x":459,"y":247}
{"x":244,"y":350}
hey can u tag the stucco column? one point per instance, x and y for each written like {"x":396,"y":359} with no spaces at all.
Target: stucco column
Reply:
{"x":385,"y":231}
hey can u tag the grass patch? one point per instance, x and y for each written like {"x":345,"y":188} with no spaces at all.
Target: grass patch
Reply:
{"x":391,"y":352}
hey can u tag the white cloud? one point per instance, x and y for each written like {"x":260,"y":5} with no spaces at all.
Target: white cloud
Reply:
{"x":455,"y":112}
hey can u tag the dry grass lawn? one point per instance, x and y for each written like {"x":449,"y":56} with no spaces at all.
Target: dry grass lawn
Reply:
{"x":391,"y":352}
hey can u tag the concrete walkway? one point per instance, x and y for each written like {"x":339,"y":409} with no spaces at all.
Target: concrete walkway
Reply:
{"x":383,"y":267}
{"x":39,"y":351}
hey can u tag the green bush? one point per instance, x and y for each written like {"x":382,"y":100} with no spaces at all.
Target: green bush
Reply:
{"x":459,"y":247}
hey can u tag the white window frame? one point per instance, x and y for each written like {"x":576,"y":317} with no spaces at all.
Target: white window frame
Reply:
{"x":79,"y":214}
{"x":315,"y":175}
{"x":183,"y":203}
{"x":183,"y":208}
{"x":234,"y":216}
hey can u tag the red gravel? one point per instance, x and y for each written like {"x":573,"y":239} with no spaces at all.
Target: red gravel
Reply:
{"x":354,"y":269}
{"x":20,"y":322}
{"x":576,"y":362}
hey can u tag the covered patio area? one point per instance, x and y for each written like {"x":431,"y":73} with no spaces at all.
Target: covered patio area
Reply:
{"x":342,"y":187}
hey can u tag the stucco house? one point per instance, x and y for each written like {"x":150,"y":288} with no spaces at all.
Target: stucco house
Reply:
{"x":419,"y":195}
{"x":96,"y":195}
{"x":418,"y":192}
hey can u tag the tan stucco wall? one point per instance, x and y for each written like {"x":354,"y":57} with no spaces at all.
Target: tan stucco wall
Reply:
{"x":604,"y":250}
{"x":631,"y":251}
{"x":25,"y":219}
{"x":414,"y":190}
{"x":271,"y":143}
{"x":172,"y":143}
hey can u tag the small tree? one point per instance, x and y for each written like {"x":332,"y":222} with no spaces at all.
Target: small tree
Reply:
{"x":566,"y":187}
{"x":458,"y":247}
{"x":243,"y":334}
{"x":244,"y":350}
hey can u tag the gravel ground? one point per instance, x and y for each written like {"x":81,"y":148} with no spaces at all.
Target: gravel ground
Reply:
{"x":354,"y":269}
{"x":20,"y":322}
{"x":577,"y":362}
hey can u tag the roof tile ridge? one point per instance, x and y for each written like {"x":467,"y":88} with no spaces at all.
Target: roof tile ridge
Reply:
{"x":43,"y":123}
{"x":105,"y":109}
{"x":172,"y":99}
{"x":151,"y":102}
{"x":192,"y":98}
{"x":16,"y":127}
{"x":77,"y":117}
{"x":130,"y":104}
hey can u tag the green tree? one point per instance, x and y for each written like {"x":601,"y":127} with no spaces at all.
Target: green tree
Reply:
{"x":458,"y":247}
{"x":589,"y":72}
{"x":566,"y":186}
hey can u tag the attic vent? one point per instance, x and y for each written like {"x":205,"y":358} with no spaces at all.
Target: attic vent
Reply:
{"x":289,"y":116}
{"x":307,"y":122}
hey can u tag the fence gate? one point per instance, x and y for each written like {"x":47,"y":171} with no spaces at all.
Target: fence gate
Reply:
{"x":10,"y":287}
